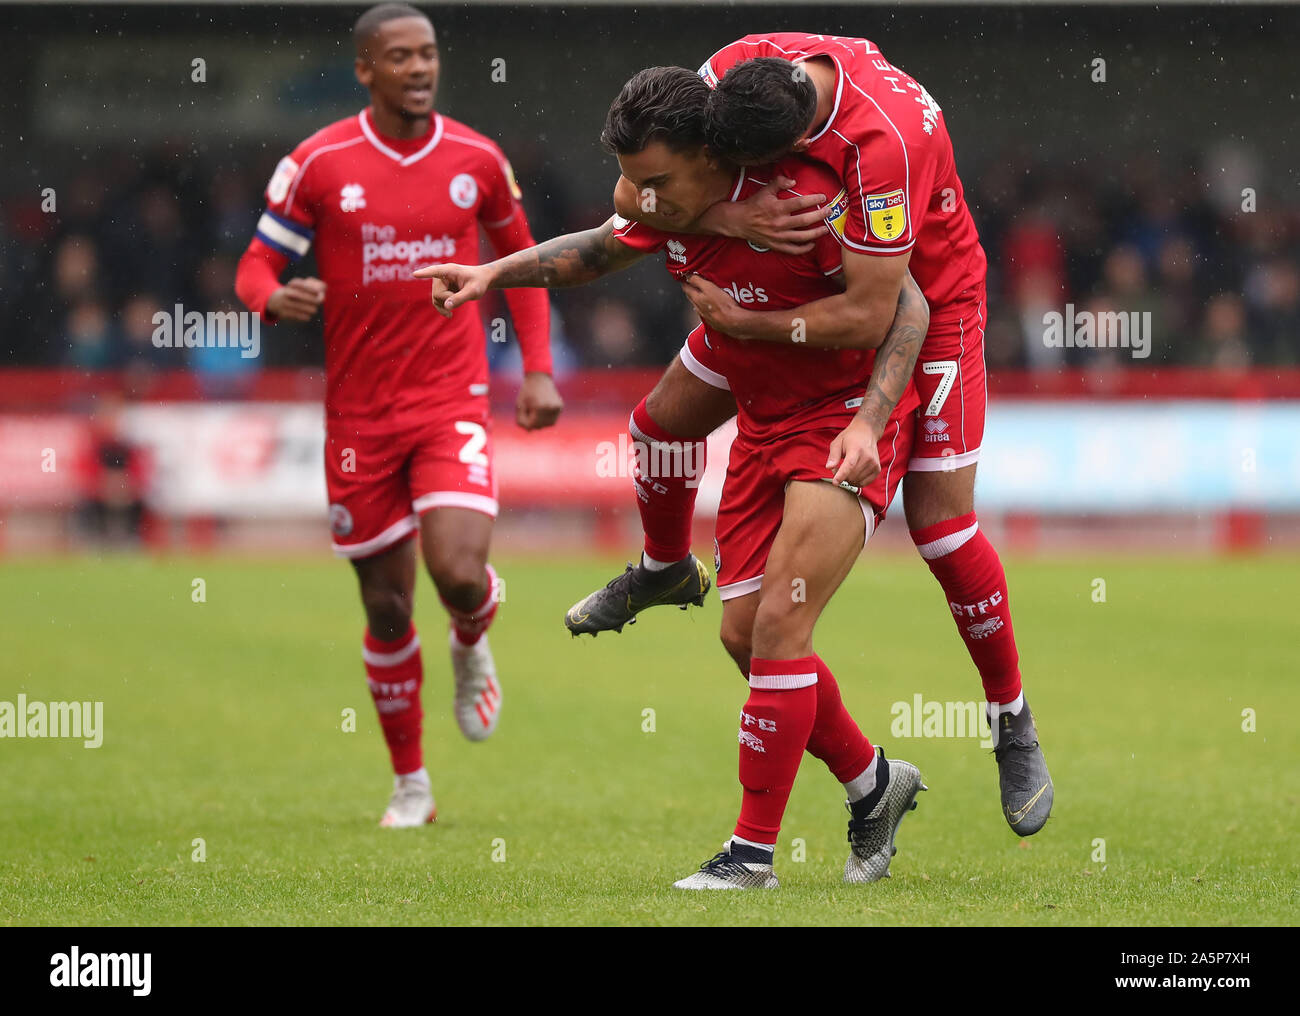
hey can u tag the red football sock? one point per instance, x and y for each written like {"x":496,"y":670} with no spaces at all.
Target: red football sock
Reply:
{"x":967,"y":567}
{"x":394,"y":674}
{"x":666,"y":478}
{"x":774,"y":729}
{"x":469,"y":626}
{"x":835,"y":738}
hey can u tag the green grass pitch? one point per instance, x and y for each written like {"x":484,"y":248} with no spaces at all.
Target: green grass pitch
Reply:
{"x":223,"y":723}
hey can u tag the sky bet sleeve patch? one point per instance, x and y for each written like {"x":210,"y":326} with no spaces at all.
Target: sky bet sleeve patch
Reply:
{"x":838,"y":214}
{"x":887,"y":215}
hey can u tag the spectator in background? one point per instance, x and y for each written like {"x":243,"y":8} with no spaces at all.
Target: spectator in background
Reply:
{"x":504,"y":358}
{"x":1178,"y":295}
{"x":233,"y":194}
{"x":1038,"y":293}
{"x":89,"y":339}
{"x":1223,"y":344}
{"x":223,"y":371}
{"x":141,"y":359}
{"x":149,"y":240}
{"x":76,"y":269}
{"x":117,"y":475}
{"x":1273,"y":293}
{"x":1054,"y":230}
{"x":1033,"y":277}
{"x":614,"y":338}
{"x":1032,"y":253}
{"x":1125,"y":289}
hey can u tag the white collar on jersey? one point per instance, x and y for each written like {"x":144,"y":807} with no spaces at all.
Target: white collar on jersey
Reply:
{"x":402,"y":160}
{"x":839,"y":92}
{"x":740,"y":182}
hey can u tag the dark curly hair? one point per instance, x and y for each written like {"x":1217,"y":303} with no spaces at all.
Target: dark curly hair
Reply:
{"x":759,"y":110}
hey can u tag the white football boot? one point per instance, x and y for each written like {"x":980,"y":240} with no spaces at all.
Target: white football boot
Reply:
{"x":411,"y":805}
{"x":478,"y":695}
{"x":727,"y":871}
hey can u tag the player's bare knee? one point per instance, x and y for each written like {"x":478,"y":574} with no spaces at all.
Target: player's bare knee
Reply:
{"x":933,"y":497}
{"x":780,"y":623}
{"x":461,"y":579}
{"x":737,"y":644}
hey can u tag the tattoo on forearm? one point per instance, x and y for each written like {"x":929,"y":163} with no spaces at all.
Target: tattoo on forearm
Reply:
{"x":895,"y":359}
{"x":570,"y":260}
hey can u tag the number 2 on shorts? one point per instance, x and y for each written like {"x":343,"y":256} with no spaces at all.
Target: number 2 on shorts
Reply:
{"x":472,"y":451}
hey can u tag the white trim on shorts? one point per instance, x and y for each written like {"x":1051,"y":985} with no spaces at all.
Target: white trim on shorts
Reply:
{"x":744,"y":587}
{"x":709,"y":377}
{"x":395,"y":533}
{"x":457,"y":499}
{"x":944,"y":463}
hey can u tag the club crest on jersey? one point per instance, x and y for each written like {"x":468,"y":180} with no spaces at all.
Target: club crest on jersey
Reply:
{"x":887,"y":214}
{"x":352,"y":197}
{"x":838,"y":214}
{"x":340,"y":520}
{"x":463,"y":190}
{"x":278,"y":189}
{"x":676,"y":251}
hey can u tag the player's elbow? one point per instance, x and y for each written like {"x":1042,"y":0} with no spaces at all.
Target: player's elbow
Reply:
{"x":625,"y":203}
{"x":877,"y":317}
{"x":866,"y":326}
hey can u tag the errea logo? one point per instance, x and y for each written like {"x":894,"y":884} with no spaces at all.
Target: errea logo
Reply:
{"x":934,"y":430}
{"x":352,"y":197}
{"x":676,"y":251}
{"x":983,"y":629}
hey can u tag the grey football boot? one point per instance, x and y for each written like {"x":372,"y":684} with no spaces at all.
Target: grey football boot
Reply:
{"x":622,"y":598}
{"x":875,"y":819}
{"x":1022,"y":773}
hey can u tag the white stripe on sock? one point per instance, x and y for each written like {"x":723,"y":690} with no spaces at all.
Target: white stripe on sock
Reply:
{"x":391,"y":659}
{"x":946,"y":544}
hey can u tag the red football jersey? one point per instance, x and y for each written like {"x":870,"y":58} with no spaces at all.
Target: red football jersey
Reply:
{"x":776,"y":386}
{"x":887,"y":140}
{"x":377,"y":208}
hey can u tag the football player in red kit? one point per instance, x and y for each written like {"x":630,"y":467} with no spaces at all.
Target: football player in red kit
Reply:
{"x":902,"y":207}
{"x":408,"y":436}
{"x":786,"y":537}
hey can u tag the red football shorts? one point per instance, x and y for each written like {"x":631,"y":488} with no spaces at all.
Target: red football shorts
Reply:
{"x":753,"y":495}
{"x":380,"y":484}
{"x":950,"y":379}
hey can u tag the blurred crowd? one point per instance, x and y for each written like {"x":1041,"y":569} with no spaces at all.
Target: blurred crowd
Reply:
{"x":1219,"y":270}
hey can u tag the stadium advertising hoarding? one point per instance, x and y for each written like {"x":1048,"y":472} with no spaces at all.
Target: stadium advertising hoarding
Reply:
{"x":264,"y":459}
